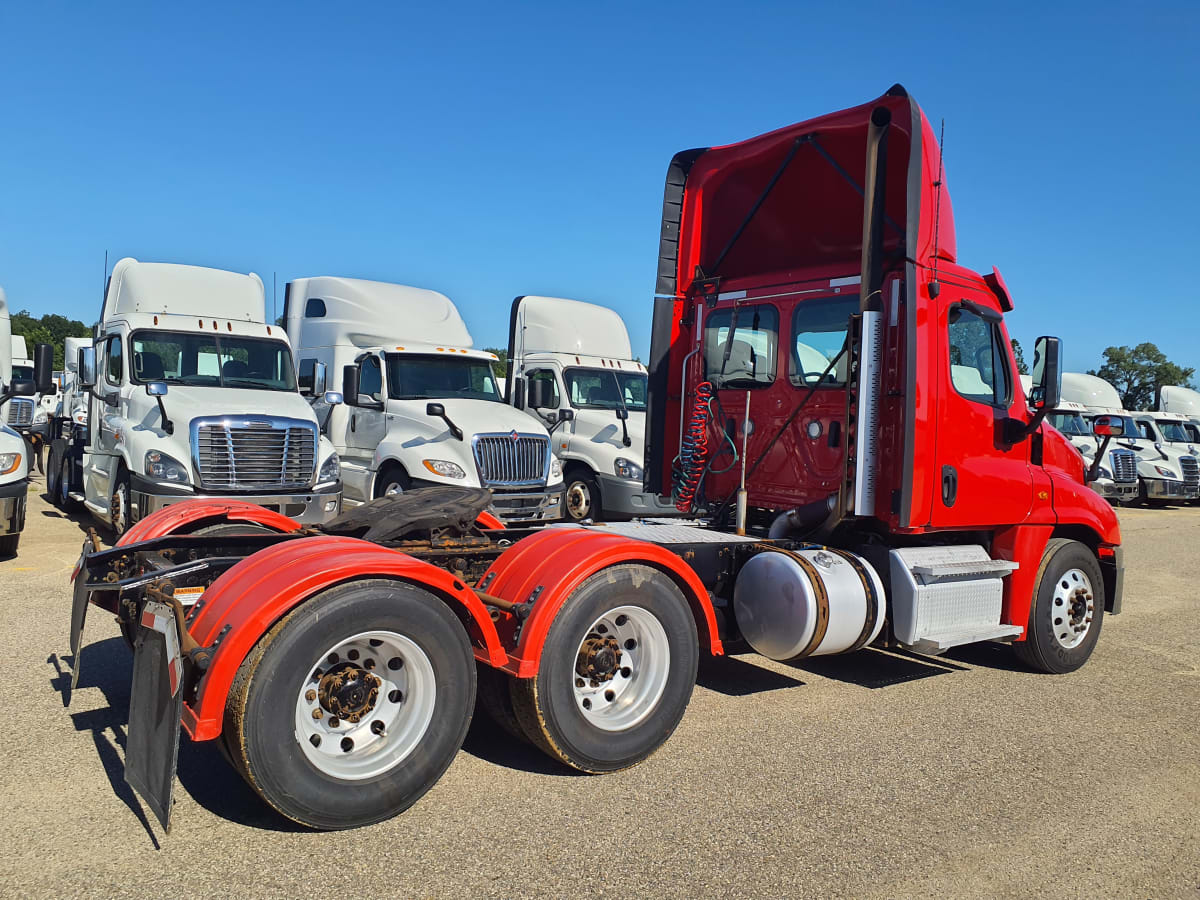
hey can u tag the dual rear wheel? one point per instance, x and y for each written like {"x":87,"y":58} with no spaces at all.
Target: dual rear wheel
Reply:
{"x":352,"y":706}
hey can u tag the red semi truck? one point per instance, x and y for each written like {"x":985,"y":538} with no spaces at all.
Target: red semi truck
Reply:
{"x":833,"y":398}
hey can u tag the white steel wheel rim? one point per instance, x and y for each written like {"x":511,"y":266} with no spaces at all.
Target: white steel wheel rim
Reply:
{"x":64,"y":487}
{"x":393,"y":488}
{"x":386,"y":732}
{"x":1072,"y":609}
{"x":579,"y":500}
{"x":631,"y":692}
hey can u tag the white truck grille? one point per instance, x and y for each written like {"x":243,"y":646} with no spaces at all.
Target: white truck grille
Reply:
{"x":254,"y":454}
{"x":1190,"y":468}
{"x":20,"y":411}
{"x":1124,"y":466}
{"x":511,"y":458}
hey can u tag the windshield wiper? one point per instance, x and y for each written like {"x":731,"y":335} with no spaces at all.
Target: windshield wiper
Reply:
{"x":247,"y":382}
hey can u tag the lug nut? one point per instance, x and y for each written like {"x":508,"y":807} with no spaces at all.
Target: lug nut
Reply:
{"x":377,"y":726}
{"x":310,"y":695}
{"x":318,"y":713}
{"x":347,"y":744}
{"x":315,"y":740}
{"x":630,"y":644}
{"x":334,"y":721}
{"x":353,"y":654}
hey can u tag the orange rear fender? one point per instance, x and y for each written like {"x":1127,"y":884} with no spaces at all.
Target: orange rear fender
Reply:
{"x":179,"y":516}
{"x":244,"y":603}
{"x":547,"y":567}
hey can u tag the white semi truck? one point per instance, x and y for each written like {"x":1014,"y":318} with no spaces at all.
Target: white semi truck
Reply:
{"x":17,"y":383}
{"x":1167,"y":429}
{"x":1164,"y":473}
{"x":191,"y":393}
{"x":571,"y":367}
{"x":1182,"y":401}
{"x":422,"y":406}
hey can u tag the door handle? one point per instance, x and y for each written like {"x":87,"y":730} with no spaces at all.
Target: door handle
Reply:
{"x":353,"y":421}
{"x":949,"y":485}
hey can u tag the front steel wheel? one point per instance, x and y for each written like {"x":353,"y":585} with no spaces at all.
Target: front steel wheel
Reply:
{"x":581,"y":498}
{"x":1067,"y":609}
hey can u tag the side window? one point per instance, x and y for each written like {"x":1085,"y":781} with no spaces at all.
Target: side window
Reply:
{"x":1193,"y":433}
{"x":551,"y":382}
{"x":114,"y":367}
{"x":818,"y":335}
{"x":370,"y":379}
{"x":978,"y":363}
{"x":1146,"y":431}
{"x":314,"y":308}
{"x":741,"y":354}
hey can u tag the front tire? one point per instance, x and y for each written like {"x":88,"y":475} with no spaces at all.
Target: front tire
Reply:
{"x":581,"y":496}
{"x":62,"y":488}
{"x":118,"y":505}
{"x":9,"y":543}
{"x":616,"y":673}
{"x":352,"y":707}
{"x":1067,"y":611}
{"x":392,"y":481}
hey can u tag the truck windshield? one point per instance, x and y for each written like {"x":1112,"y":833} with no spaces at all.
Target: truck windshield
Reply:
{"x":1172,"y":431}
{"x":212,"y":360}
{"x":605,"y":389}
{"x":1070,"y":424}
{"x":412,"y":376}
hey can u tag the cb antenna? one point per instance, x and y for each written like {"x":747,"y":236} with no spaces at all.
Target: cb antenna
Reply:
{"x":935,"y":286}
{"x":274,"y":296}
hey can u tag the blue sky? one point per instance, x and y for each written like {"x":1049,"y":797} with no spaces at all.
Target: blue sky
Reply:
{"x":490,"y":150}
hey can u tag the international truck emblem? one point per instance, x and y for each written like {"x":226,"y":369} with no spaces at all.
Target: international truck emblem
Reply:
{"x":515,"y":437}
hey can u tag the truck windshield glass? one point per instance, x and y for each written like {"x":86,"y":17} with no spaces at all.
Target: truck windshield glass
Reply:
{"x":818,"y":335}
{"x":417,"y":377}
{"x":1173,"y":431}
{"x":750,"y":361}
{"x":1070,"y":424}
{"x":606,"y":389}
{"x":212,"y":360}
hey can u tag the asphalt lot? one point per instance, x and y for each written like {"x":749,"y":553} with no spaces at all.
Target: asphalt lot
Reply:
{"x":869,"y":775}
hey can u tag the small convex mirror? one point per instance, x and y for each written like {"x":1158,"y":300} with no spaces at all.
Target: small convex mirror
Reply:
{"x":156,"y":388}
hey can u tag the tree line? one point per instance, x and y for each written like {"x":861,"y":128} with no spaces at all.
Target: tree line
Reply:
{"x":1137,"y":373}
{"x":51,"y":329}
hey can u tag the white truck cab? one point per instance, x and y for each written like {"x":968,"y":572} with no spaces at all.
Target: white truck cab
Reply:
{"x":22,"y":411}
{"x":190,"y":393}
{"x":1183,"y":401}
{"x":1164,"y":473}
{"x":571,"y":367}
{"x":16,"y":383}
{"x":1117,"y":474}
{"x":1168,"y":429}
{"x":422,"y":406}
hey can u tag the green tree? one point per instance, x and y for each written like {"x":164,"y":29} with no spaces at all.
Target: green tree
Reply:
{"x":1020,"y":357}
{"x":1138,"y":373}
{"x":51,"y":329}
{"x":500,"y":364}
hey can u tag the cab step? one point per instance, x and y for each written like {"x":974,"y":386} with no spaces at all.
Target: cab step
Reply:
{"x":944,"y":597}
{"x":77,"y":496}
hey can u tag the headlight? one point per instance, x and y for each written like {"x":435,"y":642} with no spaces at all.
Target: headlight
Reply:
{"x":1166,"y":473}
{"x":627,"y":468}
{"x":161,"y":467}
{"x":556,"y":468}
{"x":79,"y":415}
{"x":1103,"y":473}
{"x":9,"y":462}
{"x":39,"y":417}
{"x":331,"y":469}
{"x":444,"y":467}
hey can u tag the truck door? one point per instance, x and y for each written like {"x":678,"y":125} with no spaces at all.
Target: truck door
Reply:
{"x":548,"y":414}
{"x":366,"y":429}
{"x":981,"y":480}
{"x":101,"y":463}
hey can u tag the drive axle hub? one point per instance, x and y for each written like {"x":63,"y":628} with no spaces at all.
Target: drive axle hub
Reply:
{"x":599,"y":658}
{"x":348,"y":692}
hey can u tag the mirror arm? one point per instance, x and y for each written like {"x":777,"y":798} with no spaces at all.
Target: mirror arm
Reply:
{"x":168,"y":425}
{"x":454,"y":429}
{"x":1095,"y":466}
{"x":1016,"y":431}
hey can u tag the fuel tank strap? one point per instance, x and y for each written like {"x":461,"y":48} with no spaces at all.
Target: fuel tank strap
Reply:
{"x":869,"y":594}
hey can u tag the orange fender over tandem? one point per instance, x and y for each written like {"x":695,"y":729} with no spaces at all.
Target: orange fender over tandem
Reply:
{"x":546,"y":567}
{"x":244,"y":603}
{"x":171,"y":519}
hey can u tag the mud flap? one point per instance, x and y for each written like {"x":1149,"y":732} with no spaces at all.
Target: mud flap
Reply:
{"x":79,"y":605}
{"x":155,"y":705}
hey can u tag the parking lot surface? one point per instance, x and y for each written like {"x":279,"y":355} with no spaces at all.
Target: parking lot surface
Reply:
{"x":876,"y":774}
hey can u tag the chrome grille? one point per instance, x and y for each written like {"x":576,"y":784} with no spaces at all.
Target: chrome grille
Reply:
{"x":511,"y":458}
{"x":1190,"y":468}
{"x":254,"y":454}
{"x":1124,"y":466}
{"x":20,"y":411}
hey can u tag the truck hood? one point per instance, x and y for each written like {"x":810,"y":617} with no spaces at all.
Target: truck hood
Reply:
{"x":602,"y":428}
{"x":472,"y":416}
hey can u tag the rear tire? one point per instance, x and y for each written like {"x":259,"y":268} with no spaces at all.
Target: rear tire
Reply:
{"x":598,"y":714}
{"x":346,"y":773}
{"x":8,"y":544}
{"x":1067,"y":610}
{"x":62,"y":485}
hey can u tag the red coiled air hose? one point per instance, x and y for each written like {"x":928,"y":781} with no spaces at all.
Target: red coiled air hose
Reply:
{"x":693,"y":449}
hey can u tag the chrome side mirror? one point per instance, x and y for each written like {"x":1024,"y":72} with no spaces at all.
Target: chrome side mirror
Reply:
{"x":333,"y":398}
{"x":87,"y":367}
